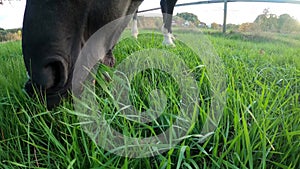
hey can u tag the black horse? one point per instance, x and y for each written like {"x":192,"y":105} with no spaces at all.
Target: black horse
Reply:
{"x":54,"y":33}
{"x":167,"y":8}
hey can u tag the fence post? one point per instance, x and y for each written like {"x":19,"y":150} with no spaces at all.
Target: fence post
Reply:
{"x":225,"y":16}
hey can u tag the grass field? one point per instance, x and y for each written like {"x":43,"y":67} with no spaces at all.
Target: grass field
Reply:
{"x":259,"y":128}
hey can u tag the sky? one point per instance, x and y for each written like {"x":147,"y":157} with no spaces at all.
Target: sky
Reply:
{"x":12,"y":11}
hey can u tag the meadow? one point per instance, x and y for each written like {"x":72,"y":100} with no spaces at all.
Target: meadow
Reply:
{"x":259,"y":126}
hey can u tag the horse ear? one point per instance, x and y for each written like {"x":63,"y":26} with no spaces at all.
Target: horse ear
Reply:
{"x":1,"y":3}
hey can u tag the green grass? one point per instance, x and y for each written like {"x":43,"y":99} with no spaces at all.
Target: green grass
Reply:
{"x":259,"y":128}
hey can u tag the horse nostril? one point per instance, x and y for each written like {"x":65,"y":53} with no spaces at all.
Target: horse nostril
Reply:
{"x":56,"y":74}
{"x":50,"y":80}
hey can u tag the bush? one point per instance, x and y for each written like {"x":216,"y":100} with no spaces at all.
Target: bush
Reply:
{"x":10,"y":35}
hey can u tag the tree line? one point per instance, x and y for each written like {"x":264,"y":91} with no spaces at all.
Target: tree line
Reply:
{"x":266,"y":22}
{"x":10,"y":34}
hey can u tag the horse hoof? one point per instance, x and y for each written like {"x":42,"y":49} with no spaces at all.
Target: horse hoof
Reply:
{"x":173,"y":37}
{"x":109,"y":59}
{"x":169,"y":44}
{"x":168,"y":40}
{"x":135,"y":35}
